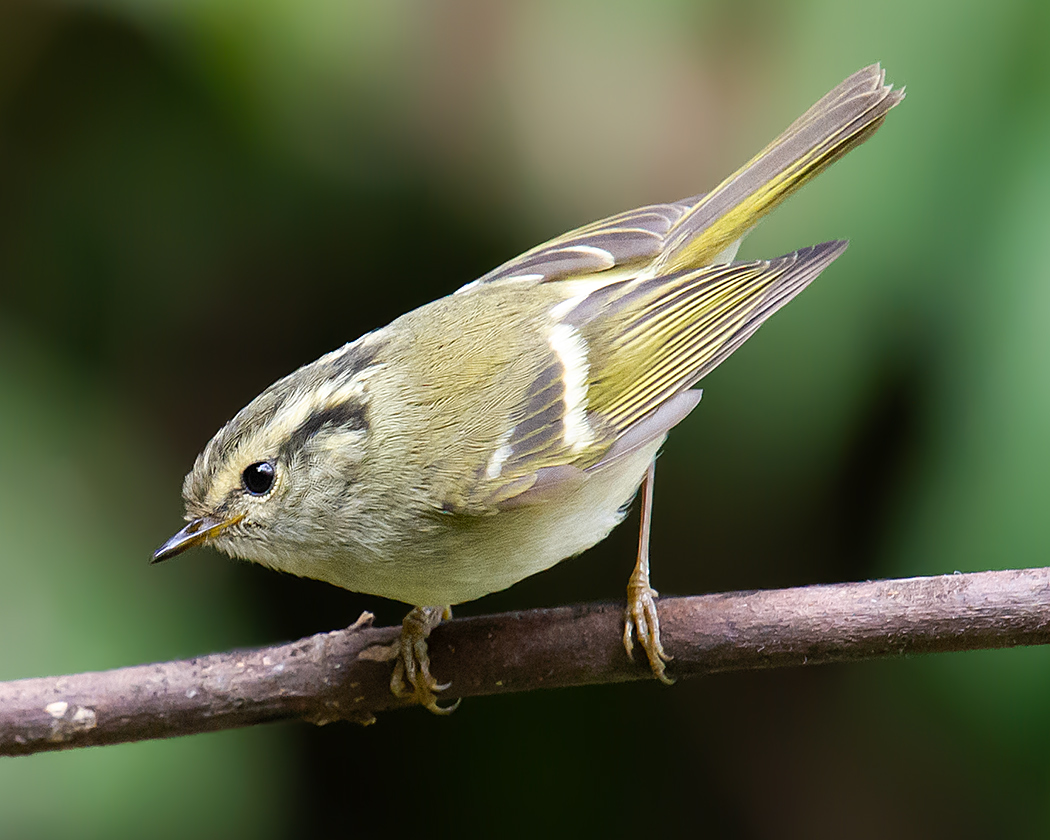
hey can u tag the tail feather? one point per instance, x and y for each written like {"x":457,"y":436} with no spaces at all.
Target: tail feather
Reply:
{"x":843,"y":119}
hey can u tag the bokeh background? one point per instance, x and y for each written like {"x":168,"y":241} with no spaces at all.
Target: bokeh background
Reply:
{"x":197,"y":196}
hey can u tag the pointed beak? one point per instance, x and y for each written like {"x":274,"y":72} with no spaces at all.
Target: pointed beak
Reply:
{"x":197,"y":532}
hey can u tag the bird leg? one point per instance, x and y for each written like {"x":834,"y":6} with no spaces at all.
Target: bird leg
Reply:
{"x":642,"y":621}
{"x":412,"y":677}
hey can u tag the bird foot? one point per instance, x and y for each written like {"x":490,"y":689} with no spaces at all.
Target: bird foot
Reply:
{"x":412,"y":677}
{"x":643,"y":623}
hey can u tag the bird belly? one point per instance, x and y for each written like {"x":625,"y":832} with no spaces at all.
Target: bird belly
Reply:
{"x":466,"y":557}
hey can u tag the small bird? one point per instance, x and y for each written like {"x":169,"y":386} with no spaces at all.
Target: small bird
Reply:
{"x":490,"y":434}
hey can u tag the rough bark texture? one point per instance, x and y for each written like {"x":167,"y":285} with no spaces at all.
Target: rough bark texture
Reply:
{"x":345,"y":675}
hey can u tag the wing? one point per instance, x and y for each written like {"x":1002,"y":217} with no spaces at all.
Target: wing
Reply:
{"x":628,"y":240}
{"x":621,"y":360}
{"x":651,"y":303}
{"x":653,"y":338}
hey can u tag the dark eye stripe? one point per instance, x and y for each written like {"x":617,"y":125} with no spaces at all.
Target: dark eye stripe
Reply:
{"x":349,"y":416}
{"x":352,"y":359}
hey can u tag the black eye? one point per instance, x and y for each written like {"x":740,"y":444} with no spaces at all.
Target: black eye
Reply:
{"x":258,"y":478}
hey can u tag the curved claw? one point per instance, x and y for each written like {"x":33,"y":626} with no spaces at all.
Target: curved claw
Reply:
{"x":412,"y":677}
{"x":643,"y":622}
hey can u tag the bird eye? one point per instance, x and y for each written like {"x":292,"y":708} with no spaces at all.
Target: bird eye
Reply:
{"x":258,"y":478}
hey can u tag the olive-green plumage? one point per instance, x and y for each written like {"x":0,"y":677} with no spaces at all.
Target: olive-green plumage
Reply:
{"x":494,"y":432}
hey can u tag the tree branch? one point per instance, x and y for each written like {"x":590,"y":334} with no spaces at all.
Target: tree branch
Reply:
{"x":345,"y":674}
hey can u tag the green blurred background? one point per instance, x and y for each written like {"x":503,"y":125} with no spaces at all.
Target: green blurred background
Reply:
{"x":197,"y":197}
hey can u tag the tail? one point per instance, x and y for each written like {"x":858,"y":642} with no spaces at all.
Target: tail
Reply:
{"x":843,"y":119}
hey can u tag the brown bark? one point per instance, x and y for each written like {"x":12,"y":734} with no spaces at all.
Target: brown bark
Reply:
{"x":344,"y":674}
